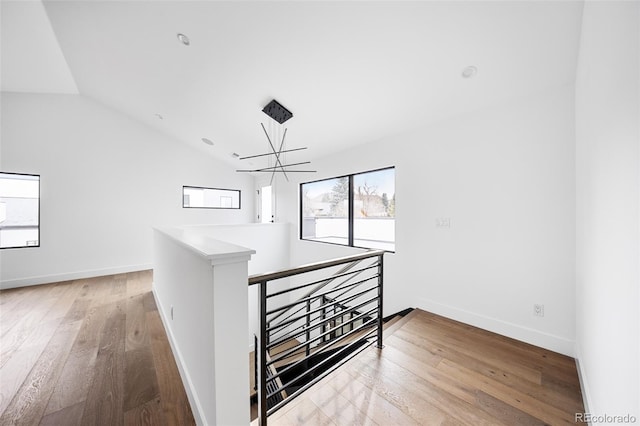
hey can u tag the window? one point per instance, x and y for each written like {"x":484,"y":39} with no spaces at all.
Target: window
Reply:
{"x":195,"y":197}
{"x":356,"y":210}
{"x":19,"y":210}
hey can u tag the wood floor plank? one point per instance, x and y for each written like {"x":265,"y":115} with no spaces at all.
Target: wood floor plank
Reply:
{"x":505,"y":412}
{"x":569,"y":388}
{"x":440,"y":392}
{"x":137,"y":283}
{"x":119,"y":284}
{"x":175,"y":404}
{"x":13,"y":337}
{"x":15,"y":371}
{"x":69,"y":416}
{"x":65,"y":299}
{"x":412,"y":404}
{"x":136,"y":336}
{"x":410,"y":343}
{"x":94,"y":377}
{"x":105,"y":399}
{"x":76,"y":311}
{"x":29,"y":403}
{"x":368,"y":401}
{"x":149,"y":302}
{"x":307,"y":413}
{"x":538,"y":358}
{"x":100,"y":292}
{"x":339,"y":408}
{"x":431,"y":375}
{"x":436,"y":390}
{"x":459,"y":375}
{"x":488,"y":355}
{"x":19,"y":353}
{"x":90,"y":334}
{"x":148,"y":414}
{"x":74,"y":382}
{"x":9,"y":298}
{"x":141,"y":383}
{"x":532,"y":406}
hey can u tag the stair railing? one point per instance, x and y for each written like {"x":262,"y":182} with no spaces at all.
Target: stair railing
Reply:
{"x":298,"y":342}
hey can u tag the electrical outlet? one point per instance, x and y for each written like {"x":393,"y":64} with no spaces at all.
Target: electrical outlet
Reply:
{"x":538,"y":310}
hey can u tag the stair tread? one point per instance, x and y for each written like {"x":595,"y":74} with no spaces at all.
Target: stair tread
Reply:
{"x":389,"y":328}
{"x":399,"y":323}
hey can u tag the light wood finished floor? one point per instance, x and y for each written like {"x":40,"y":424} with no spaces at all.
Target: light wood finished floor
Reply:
{"x":434,"y":371}
{"x":88,"y":352}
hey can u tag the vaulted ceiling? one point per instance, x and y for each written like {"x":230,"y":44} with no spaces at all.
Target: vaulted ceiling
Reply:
{"x":351,"y":72}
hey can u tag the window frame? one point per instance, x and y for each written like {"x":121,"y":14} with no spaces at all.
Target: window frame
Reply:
{"x":213,"y":208}
{"x":350,"y":214}
{"x":39,"y":207}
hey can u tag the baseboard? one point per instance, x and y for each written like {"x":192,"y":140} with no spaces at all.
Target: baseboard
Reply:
{"x":528,"y":335}
{"x":196,"y":407}
{"x":584,"y":384}
{"x":55,"y":278}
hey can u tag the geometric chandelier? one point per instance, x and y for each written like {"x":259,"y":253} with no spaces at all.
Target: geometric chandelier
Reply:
{"x":279,"y":114}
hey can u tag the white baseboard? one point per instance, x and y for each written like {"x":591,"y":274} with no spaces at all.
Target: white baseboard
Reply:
{"x":55,"y":278}
{"x":584,"y":384}
{"x":196,"y":407}
{"x":514,"y":331}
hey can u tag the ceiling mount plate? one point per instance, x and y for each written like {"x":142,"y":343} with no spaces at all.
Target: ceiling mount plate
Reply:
{"x":276,"y":111}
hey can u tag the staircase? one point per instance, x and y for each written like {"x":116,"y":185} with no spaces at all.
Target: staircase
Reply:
{"x":391,"y":323}
{"x":313,"y":319}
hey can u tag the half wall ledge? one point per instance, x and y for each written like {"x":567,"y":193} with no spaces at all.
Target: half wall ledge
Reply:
{"x":200,"y":286}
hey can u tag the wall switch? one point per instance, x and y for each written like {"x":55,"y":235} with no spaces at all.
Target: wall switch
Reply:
{"x":443,"y":222}
{"x":538,"y":310}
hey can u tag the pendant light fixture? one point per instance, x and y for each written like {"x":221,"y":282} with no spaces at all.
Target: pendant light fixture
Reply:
{"x":276,"y":134}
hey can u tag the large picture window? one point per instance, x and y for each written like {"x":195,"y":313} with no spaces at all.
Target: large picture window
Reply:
{"x":356,"y":210}
{"x":19,"y":210}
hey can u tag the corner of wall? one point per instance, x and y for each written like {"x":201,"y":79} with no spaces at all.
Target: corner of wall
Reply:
{"x":582,"y":377}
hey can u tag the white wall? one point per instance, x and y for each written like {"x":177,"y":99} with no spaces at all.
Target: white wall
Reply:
{"x":608,"y":216}
{"x":105,"y":181}
{"x":201,"y":281}
{"x":505,"y":177}
{"x":271,"y":244}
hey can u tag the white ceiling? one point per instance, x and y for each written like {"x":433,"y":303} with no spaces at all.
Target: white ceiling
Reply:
{"x":32,"y":60}
{"x":351,"y":72}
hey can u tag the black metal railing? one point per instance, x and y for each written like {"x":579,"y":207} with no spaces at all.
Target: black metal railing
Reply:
{"x":313,"y":319}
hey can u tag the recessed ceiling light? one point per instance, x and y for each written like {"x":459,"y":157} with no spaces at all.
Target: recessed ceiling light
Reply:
{"x":207,"y":141}
{"x":160,"y":117}
{"x":183,"y":39}
{"x":469,"y":71}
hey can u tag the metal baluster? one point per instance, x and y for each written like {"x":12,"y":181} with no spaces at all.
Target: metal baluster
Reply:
{"x":255,"y":363}
{"x":308,"y":333}
{"x":380,"y":293}
{"x":262,"y":397}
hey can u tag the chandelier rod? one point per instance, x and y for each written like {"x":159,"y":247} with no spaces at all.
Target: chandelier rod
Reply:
{"x":271,"y":153}
{"x":276,"y":153}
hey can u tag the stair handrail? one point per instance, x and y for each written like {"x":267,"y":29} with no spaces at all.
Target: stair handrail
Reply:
{"x":284,"y":273}
{"x":350,"y":260}
{"x":262,"y":280}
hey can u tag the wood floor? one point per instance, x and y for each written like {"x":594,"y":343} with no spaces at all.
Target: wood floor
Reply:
{"x":434,"y":371}
{"x":88,"y":352}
